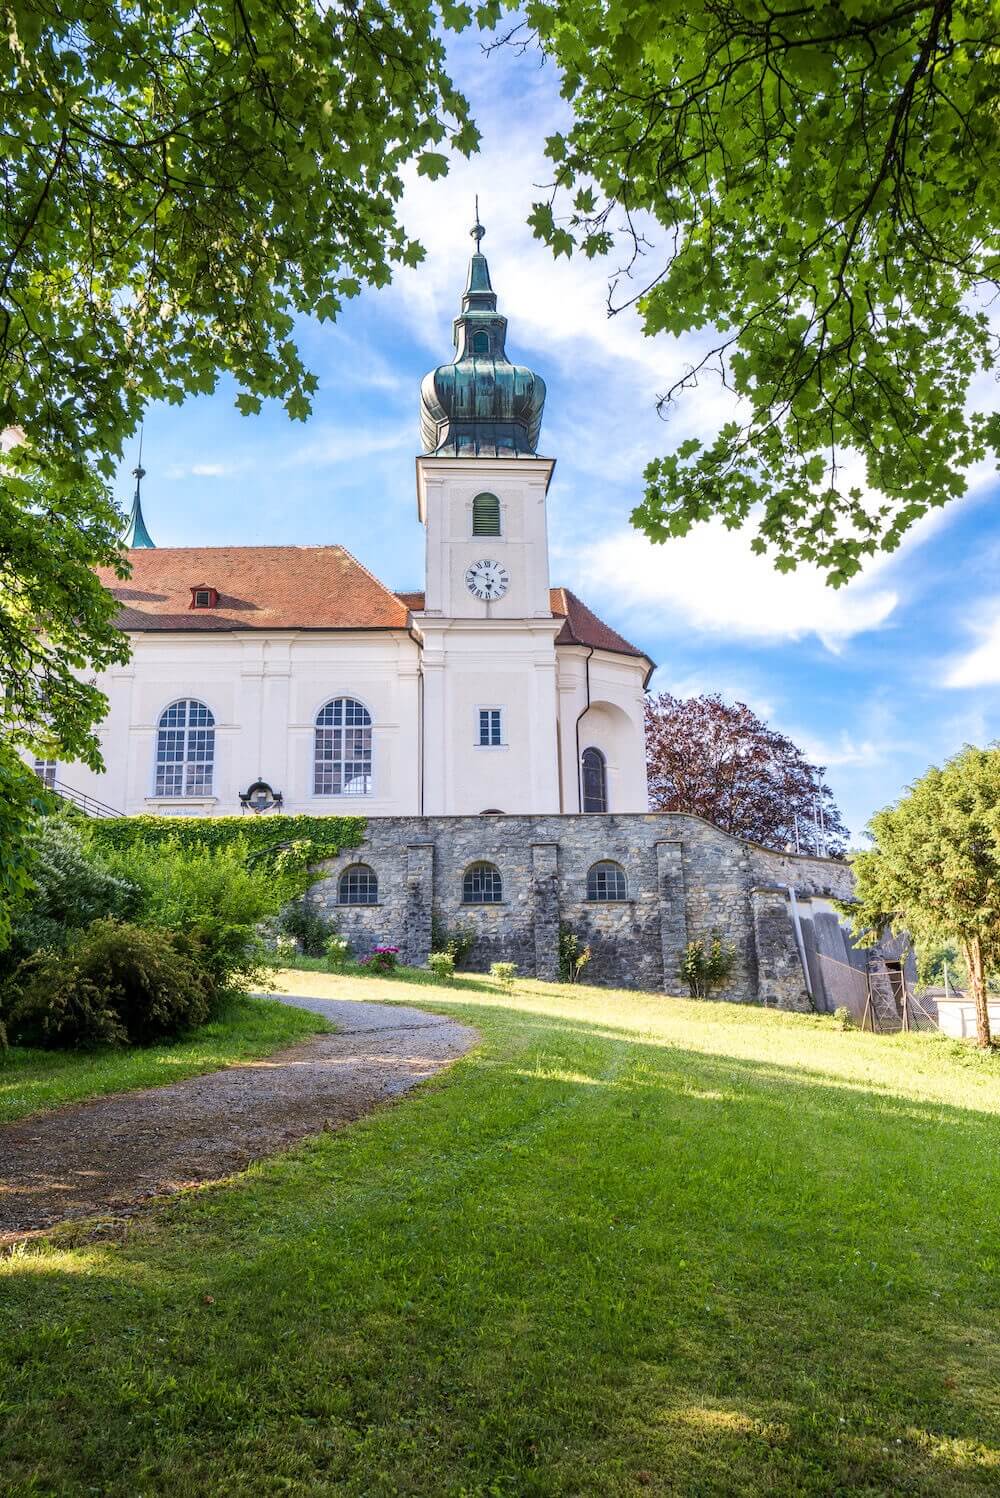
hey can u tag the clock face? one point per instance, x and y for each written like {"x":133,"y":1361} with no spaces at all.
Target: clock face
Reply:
{"x":487,"y":580}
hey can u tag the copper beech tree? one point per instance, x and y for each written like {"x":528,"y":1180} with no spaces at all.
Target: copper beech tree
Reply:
{"x":719,"y":761}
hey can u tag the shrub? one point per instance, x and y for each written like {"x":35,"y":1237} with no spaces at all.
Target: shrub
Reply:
{"x":285,"y":948}
{"x":459,"y":941}
{"x":442,"y":965}
{"x":382,"y":960}
{"x":265,"y":839}
{"x":116,"y":984}
{"x":337,"y":952}
{"x":73,"y":886}
{"x":572,"y":957}
{"x":213,"y":898}
{"x":843,"y":1018}
{"x":706,"y":964}
{"x":308,"y":925}
{"x":504,"y":973}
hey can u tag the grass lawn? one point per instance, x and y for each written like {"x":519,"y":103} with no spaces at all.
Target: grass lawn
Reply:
{"x":630,"y":1244}
{"x":245,"y":1029}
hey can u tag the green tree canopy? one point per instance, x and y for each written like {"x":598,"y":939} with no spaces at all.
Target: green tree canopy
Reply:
{"x":827,"y":180}
{"x":934,"y":871}
{"x":178,"y":183}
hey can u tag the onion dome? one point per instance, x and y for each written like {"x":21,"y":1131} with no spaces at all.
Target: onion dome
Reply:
{"x":481,"y":405}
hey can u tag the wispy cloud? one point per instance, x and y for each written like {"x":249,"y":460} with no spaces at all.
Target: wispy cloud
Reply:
{"x":328,"y":445}
{"x":713,"y":582}
{"x":980,"y":665}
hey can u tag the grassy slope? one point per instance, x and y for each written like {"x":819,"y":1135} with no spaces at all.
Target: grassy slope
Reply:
{"x":246,"y":1028}
{"x":629,"y":1245}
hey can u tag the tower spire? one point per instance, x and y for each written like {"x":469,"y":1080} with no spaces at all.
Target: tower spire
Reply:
{"x":136,"y":535}
{"x":480,"y":404}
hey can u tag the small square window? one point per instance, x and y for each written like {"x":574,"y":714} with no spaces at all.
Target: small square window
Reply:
{"x":490,"y":727}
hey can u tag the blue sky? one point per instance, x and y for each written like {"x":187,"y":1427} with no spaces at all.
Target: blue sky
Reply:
{"x":877,"y":680}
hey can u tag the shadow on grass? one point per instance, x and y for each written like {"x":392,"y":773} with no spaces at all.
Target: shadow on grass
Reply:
{"x":582,"y":1262}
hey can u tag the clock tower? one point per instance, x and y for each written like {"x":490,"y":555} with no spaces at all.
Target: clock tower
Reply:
{"x":488,"y":633}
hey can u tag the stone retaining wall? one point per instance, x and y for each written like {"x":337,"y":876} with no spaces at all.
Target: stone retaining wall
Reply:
{"x":685,"y":879}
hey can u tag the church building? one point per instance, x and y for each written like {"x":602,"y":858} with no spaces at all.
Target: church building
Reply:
{"x":490,"y":690}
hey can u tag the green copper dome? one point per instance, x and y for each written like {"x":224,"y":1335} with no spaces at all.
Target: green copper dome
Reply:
{"x":481,"y":405}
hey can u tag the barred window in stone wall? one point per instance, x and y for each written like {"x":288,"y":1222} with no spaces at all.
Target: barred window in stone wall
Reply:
{"x":342,"y":764}
{"x":358,"y":886}
{"x":482,"y":885}
{"x":185,"y":750}
{"x":594,"y":777}
{"x":606,"y":881}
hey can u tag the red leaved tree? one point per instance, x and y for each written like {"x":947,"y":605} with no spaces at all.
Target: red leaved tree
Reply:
{"x":719,"y":761}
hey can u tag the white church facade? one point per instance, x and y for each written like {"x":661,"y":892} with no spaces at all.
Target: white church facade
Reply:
{"x":489,"y":691}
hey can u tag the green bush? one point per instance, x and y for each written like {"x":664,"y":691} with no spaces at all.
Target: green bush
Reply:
{"x":212,"y":897}
{"x":843,"y":1018}
{"x":116,"y":984}
{"x":458,"y":941}
{"x":572,"y":957}
{"x":707,"y":962}
{"x":442,"y":965}
{"x":504,"y":973}
{"x":73,"y":886}
{"x":310,"y":928}
{"x":337,"y":951}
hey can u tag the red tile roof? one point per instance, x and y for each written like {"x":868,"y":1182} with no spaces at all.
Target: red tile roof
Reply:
{"x":581,"y":626}
{"x":260,"y":587}
{"x":296,"y":587}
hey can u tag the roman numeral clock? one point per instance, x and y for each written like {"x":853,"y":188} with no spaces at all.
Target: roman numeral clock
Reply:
{"x":487,"y":580}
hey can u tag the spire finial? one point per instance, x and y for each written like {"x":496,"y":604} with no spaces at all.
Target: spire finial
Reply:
{"x":136,"y":534}
{"x":477,"y":229}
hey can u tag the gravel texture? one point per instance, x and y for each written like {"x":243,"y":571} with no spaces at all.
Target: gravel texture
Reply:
{"x":114,"y":1153}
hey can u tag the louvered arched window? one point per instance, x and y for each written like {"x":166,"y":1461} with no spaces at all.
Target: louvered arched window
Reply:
{"x":606,"y":881}
{"x":594,"y":780}
{"x":185,"y":750}
{"x":342,"y":760}
{"x":486,"y":515}
{"x":482,"y":885}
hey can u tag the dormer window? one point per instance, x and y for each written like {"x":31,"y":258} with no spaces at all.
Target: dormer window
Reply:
{"x":203,"y":597}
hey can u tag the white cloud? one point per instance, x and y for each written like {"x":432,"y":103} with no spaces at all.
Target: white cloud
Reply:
{"x":330,"y":445}
{"x":980,"y":666}
{"x":202,"y":470}
{"x":711,"y":580}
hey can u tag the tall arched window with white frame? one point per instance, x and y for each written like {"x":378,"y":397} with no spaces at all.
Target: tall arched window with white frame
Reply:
{"x":342,"y":758}
{"x":185,"y":749}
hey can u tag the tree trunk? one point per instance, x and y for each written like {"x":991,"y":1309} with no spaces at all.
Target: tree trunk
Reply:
{"x":974,"y":962}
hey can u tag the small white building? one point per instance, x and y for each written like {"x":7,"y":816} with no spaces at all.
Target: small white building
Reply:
{"x":491,"y":690}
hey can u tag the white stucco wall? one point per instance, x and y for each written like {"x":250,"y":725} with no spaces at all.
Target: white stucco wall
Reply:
{"x":613,"y":722}
{"x":264,"y":690}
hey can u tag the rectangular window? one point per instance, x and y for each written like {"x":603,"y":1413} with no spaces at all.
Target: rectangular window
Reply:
{"x":490,"y":727}
{"x":45,"y":769}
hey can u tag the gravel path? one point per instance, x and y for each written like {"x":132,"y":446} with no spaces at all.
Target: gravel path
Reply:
{"x":112,"y":1154}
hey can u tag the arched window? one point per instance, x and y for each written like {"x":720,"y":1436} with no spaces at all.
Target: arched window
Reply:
{"x":342,"y":761}
{"x":486,"y":515}
{"x":358,"y":885}
{"x":480,"y":342}
{"x":606,"y":881}
{"x":594,"y":775}
{"x":185,"y":750}
{"x":482,"y":885}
